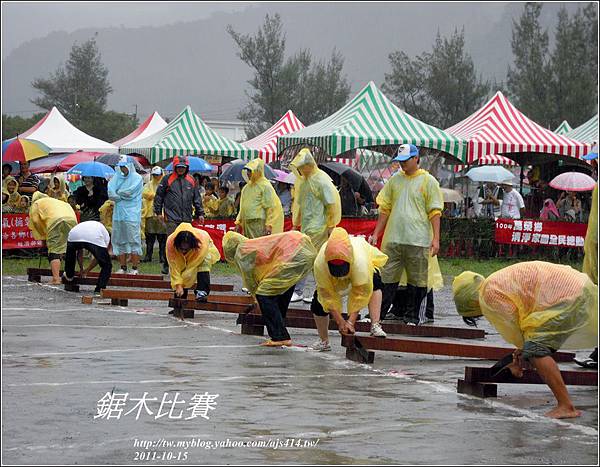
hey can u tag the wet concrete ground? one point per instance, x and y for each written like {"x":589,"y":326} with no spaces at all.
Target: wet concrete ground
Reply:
{"x":59,"y":358}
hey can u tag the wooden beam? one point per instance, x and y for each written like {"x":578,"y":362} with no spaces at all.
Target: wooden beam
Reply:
{"x":477,"y":389}
{"x":143,"y":283}
{"x":166,"y":296}
{"x":432,"y":347}
{"x":571,"y":378}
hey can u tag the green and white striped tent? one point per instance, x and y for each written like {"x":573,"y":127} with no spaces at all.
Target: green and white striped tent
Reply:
{"x":187,"y":135}
{"x":563,"y":128}
{"x":586,"y":132}
{"x":370,"y":119}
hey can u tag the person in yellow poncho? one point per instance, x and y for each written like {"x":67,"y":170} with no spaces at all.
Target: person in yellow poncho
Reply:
{"x":10,"y":187}
{"x":106,"y":214}
{"x":270,"y":266}
{"x":209,"y":200}
{"x":346,"y":266}
{"x":191,"y":254}
{"x":538,"y":307}
{"x":154,"y":226}
{"x":316,"y":208}
{"x":224,"y":205}
{"x":51,"y":220}
{"x":57,"y":189}
{"x":260,"y":209}
{"x":410,"y":207}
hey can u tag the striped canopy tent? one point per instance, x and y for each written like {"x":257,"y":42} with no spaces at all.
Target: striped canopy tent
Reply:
{"x":187,"y":135}
{"x":371,"y":120}
{"x":563,"y":128}
{"x":266,"y":142}
{"x":500,"y":128}
{"x":492,"y":159}
{"x":587,"y":132}
{"x":151,"y":125}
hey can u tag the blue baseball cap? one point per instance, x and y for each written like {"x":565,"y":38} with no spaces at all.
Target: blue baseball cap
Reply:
{"x":405,"y":152}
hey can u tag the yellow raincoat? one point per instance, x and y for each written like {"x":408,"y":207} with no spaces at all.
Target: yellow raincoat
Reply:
{"x":590,"y":247}
{"x":106,"y":214}
{"x":270,"y":265}
{"x":317,"y":206}
{"x":210,"y":205}
{"x":224,"y":207}
{"x":549,"y":304}
{"x":151,"y":223}
{"x":410,"y":202}
{"x":60,"y":194}
{"x":51,"y":220}
{"x":183,"y":268}
{"x":14,"y":198}
{"x":260,"y":206}
{"x":363,"y":258}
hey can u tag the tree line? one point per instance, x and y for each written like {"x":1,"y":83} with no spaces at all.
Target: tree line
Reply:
{"x":440,"y":86}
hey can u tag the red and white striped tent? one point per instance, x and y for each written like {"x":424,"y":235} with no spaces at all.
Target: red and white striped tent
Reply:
{"x":500,"y":128}
{"x":153,"y":124}
{"x":266,"y":142}
{"x":492,"y":159}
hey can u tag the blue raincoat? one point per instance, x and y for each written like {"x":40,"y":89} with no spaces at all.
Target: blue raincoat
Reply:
{"x":126,"y":192}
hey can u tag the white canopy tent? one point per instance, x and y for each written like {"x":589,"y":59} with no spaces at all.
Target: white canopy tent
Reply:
{"x":56,"y":132}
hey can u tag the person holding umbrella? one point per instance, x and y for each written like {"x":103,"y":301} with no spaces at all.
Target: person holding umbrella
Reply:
{"x":260,"y":209}
{"x":125,"y":189}
{"x":51,"y":220}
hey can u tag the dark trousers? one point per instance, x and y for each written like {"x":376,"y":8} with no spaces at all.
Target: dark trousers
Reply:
{"x":273,"y":310}
{"x":202,"y":283}
{"x":409,"y":303}
{"x":162,"y":242}
{"x":98,"y":252}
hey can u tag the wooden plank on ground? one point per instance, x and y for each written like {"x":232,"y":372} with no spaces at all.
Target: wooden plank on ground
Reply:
{"x":143,"y":283}
{"x":571,"y":378}
{"x":166,"y":296}
{"x":432,"y":347}
{"x":47,"y":273}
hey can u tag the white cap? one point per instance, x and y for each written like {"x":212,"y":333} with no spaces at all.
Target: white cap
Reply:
{"x":156,"y":170}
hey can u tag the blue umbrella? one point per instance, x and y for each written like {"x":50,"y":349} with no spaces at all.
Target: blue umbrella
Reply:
{"x":233,"y":173}
{"x":196,"y":165}
{"x":92,"y":169}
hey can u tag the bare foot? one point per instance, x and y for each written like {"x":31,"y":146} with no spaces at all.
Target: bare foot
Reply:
{"x":564,"y":412}
{"x":55,"y":282}
{"x":516,"y":370}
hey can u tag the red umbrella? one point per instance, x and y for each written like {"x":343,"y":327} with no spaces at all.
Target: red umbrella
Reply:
{"x":61,"y":162}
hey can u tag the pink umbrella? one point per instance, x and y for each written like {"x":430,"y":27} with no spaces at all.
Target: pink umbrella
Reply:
{"x":573,"y":181}
{"x":61,"y":162}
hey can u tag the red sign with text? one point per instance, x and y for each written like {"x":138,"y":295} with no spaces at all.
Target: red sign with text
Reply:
{"x":544,"y":233}
{"x":16,"y":233}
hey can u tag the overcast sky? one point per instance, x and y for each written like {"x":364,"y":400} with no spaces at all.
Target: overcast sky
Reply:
{"x":23,"y":21}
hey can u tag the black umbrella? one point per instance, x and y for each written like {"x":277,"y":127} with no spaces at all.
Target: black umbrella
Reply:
{"x":358,"y":183}
{"x":113,"y":159}
{"x":233,"y":173}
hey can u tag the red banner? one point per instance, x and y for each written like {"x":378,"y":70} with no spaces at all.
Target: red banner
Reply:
{"x":16,"y":233}
{"x":536,"y":232}
{"x":216,"y":228}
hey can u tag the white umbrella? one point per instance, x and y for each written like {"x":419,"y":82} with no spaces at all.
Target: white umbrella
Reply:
{"x":573,"y":181}
{"x":451,"y":196}
{"x":489,"y":173}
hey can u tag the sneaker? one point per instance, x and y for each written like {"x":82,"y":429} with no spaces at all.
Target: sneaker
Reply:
{"x":133,"y":272}
{"x":164,"y":269}
{"x":271,"y":343}
{"x":296,"y":297}
{"x":245,"y":290}
{"x":411,"y":323}
{"x":377,"y":331}
{"x":321,"y":346}
{"x":307,"y":299}
{"x":65,"y":278}
{"x":586,"y":363}
{"x":201,"y":296}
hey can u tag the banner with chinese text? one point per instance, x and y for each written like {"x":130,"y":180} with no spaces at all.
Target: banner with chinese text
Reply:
{"x":536,"y":232}
{"x":16,"y":233}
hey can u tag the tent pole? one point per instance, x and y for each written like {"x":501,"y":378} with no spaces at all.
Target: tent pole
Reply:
{"x":522,"y":176}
